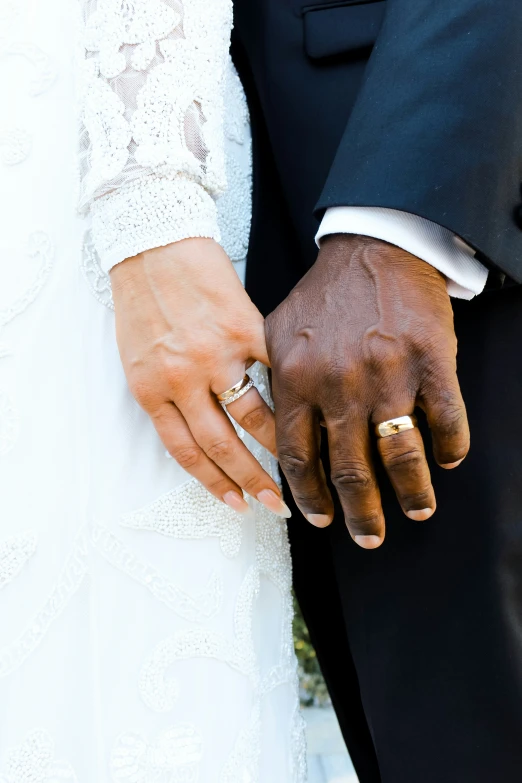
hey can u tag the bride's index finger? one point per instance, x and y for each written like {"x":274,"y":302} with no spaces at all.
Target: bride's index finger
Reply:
{"x":177,"y":439}
{"x":213,"y":431}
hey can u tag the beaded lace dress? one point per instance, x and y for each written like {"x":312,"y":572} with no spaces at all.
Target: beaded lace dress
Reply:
{"x":145,"y":628}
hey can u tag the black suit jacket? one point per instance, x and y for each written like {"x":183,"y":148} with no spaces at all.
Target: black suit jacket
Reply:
{"x":414,"y":105}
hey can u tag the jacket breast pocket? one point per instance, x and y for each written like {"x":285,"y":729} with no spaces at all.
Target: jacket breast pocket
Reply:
{"x":346,"y":26}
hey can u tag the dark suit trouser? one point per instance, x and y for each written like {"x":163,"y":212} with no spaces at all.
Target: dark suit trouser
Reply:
{"x":421,"y":641}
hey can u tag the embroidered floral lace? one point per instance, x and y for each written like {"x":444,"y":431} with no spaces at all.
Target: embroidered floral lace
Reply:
{"x":153,"y":77}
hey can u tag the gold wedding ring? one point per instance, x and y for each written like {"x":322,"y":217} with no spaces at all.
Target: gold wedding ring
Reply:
{"x":395,"y":426}
{"x":236,"y":391}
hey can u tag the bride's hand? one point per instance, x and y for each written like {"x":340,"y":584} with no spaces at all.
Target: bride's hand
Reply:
{"x":186,"y":330}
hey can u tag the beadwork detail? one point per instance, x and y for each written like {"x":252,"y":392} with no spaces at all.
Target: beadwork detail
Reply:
{"x":109,"y":133}
{"x":190,"y":512}
{"x":15,"y":551}
{"x":14,"y":654}
{"x":243,"y":762}
{"x":299,"y":770}
{"x":235,"y":205}
{"x":197,"y":608}
{"x":98,"y":280}
{"x":34,"y":761}
{"x":161,"y":692}
{"x":40,"y":247}
{"x":115,"y":24}
{"x":237,"y":116}
{"x":117,"y":218}
{"x":173,"y":757}
{"x":234,"y":210}
{"x":272,"y":561}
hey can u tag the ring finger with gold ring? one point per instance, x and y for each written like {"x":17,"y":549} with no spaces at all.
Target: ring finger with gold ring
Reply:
{"x":401,"y":448}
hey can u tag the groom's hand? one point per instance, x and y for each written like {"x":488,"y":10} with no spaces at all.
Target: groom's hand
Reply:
{"x":364,"y":337}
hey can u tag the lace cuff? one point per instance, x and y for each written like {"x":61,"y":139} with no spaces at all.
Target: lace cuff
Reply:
{"x":151,"y":212}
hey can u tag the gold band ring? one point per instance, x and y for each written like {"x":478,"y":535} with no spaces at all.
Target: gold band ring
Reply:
{"x":236,"y":391}
{"x":395,"y":426}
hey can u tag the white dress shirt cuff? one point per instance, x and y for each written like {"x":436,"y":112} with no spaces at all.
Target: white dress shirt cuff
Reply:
{"x":465,"y":275}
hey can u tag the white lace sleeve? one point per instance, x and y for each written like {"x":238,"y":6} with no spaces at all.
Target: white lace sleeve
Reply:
{"x":152,"y":115}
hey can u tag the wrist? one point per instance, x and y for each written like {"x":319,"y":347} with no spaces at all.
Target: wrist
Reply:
{"x":352,"y":250}
{"x":184,"y":260}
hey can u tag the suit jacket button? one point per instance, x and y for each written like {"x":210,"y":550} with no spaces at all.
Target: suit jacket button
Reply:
{"x":518,"y":216}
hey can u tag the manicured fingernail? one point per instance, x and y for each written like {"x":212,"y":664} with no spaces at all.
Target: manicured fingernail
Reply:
{"x":235,"y":501}
{"x":368,"y":542}
{"x":451,"y":465}
{"x":273,"y":502}
{"x":420,"y":514}
{"x":319,"y":520}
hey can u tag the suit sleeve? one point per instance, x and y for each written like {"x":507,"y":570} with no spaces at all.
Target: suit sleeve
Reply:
{"x":437,"y":128}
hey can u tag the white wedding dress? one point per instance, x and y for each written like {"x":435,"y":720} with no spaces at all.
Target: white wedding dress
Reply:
{"x":145,"y":628}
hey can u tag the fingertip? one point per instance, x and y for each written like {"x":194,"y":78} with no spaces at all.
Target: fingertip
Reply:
{"x":319,"y":520}
{"x":420,"y":515}
{"x":237,"y":502}
{"x":452,"y":465}
{"x":274,"y":502}
{"x":368,"y":542}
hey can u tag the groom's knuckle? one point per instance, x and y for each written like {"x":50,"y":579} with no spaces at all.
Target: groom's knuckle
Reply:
{"x":363,"y":524}
{"x":401,"y":461}
{"x":451,"y":419}
{"x":293,"y":464}
{"x":306,"y":498}
{"x":380,"y":356}
{"x":351,"y":478}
